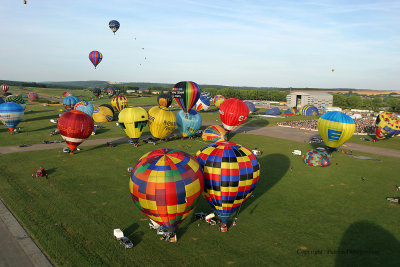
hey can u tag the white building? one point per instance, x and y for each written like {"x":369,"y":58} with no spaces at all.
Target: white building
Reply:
{"x":319,"y":100}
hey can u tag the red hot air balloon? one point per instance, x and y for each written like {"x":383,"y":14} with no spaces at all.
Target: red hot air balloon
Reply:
{"x":4,"y":88}
{"x":75,"y":127}
{"x":95,"y":57}
{"x":233,"y":112}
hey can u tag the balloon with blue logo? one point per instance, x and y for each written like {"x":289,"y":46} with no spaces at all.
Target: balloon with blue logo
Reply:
{"x":250,"y":106}
{"x":188,"y":124}
{"x":11,"y":114}
{"x":335,"y":128}
{"x":69,"y":102}
{"x":114,"y":25}
{"x":203,"y":103}
{"x":85,"y":106}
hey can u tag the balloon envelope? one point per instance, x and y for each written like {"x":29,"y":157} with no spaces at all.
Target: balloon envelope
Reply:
{"x":214,"y":133}
{"x":102,"y":114}
{"x":95,"y":57}
{"x":218,"y":100}
{"x":110,"y":92}
{"x":317,"y":158}
{"x":69,"y":102}
{"x":233,"y":112}
{"x":164,"y":100}
{"x":309,"y":110}
{"x":119,"y":102}
{"x":188,"y":124}
{"x":165,"y":185}
{"x":273,"y":111}
{"x":96,"y":92}
{"x":33,"y":95}
{"x":186,"y":94}
{"x":387,"y":125}
{"x":202,"y":104}
{"x":85,"y":106}
{"x":162,"y":122}
{"x":75,"y":127}
{"x":114,"y":25}
{"x":11,"y":114}
{"x":290,"y":112}
{"x":231,"y":173}
{"x":335,"y":128}
{"x":250,"y":106}
{"x":133,"y":121}
{"x":4,"y":88}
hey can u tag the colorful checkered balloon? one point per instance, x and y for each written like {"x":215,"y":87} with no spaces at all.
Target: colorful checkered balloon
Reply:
{"x":231,"y":173}
{"x":317,"y":158}
{"x":165,"y":185}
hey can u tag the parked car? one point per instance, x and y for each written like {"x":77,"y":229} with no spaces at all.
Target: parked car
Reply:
{"x":126,"y":242}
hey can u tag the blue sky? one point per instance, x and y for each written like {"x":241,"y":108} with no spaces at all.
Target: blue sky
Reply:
{"x":234,"y":43}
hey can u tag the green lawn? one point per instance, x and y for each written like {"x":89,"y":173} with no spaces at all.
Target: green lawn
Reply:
{"x":295,"y":210}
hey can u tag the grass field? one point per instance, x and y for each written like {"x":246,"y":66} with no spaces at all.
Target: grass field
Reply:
{"x":296,"y":210}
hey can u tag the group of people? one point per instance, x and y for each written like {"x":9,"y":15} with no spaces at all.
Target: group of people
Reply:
{"x":364,"y":125}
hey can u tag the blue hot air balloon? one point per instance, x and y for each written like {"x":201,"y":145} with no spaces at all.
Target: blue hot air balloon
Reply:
{"x":250,"y":106}
{"x":69,"y":102}
{"x":11,"y":114}
{"x":114,"y":25}
{"x":1,"y":100}
{"x":188,"y":124}
{"x":273,"y":111}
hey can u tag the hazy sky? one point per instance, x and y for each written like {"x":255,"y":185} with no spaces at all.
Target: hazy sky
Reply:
{"x":237,"y":43}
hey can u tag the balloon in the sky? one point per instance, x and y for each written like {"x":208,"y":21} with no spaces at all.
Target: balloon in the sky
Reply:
{"x":85,"y":106}
{"x":202,"y":104}
{"x":317,"y":158}
{"x":110,"y":92}
{"x":95,"y":57}
{"x":33,"y":95}
{"x":114,"y":25}
{"x":214,"y":133}
{"x":218,"y":100}
{"x":96,"y":92}
{"x":231,"y":173}
{"x":233,"y":112}
{"x":164,"y":100}
{"x":69,"y":102}
{"x":186,"y":95}
{"x":188,"y":124}
{"x":162,"y":122}
{"x":335,"y":128}
{"x":102,"y":114}
{"x":165,"y":185}
{"x":387,"y":125}
{"x":250,"y":106}
{"x":5,"y":88}
{"x":309,"y":110}
{"x":133,"y":121}
{"x":11,"y":114}
{"x":119,"y":102}
{"x":75,"y":127}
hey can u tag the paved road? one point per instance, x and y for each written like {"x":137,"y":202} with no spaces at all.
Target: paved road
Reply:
{"x":17,"y":248}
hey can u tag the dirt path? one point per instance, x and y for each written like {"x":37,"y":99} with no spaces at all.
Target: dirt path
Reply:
{"x":292,"y":134}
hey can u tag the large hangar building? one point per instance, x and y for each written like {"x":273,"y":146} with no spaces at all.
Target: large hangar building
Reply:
{"x":300,"y":99}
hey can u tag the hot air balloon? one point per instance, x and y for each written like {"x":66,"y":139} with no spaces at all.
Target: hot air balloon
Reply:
{"x":202,"y":104}
{"x":114,"y":25}
{"x":335,"y":128}
{"x":309,"y":110}
{"x":11,"y":114}
{"x":133,"y":121}
{"x":110,"y":107}
{"x":33,"y":95}
{"x":16,"y":98}
{"x":1,"y":100}
{"x":4,"y":88}
{"x":206,"y":94}
{"x":233,"y":112}
{"x":102,"y":114}
{"x":317,"y":158}
{"x":290,"y":112}
{"x":231,"y":173}
{"x":273,"y":111}
{"x":162,"y":122}
{"x":165,"y":185}
{"x":218,"y":100}
{"x":333,"y":70}
{"x":96,"y":92}
{"x":68,"y":94}
{"x":95,"y":57}
{"x":117,"y":91}
{"x":387,"y":125}
{"x":69,"y":102}
{"x":110,"y":92}
{"x":186,"y":95}
{"x":119,"y":102}
{"x":85,"y":106}
{"x":164,"y":100}
{"x":250,"y":106}
{"x":75,"y":127}
{"x":214,"y":133}
{"x":188,"y":124}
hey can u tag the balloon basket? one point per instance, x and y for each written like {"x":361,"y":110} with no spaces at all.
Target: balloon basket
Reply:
{"x":223,"y":228}
{"x":71,"y":152}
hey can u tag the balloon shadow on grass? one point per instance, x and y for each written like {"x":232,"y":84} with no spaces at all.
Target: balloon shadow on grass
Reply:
{"x":48,"y":117}
{"x":51,"y":127}
{"x":367,"y":244}
{"x":114,"y":143}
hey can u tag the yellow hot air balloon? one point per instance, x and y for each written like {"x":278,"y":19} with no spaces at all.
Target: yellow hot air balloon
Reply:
{"x":119,"y":102}
{"x":335,"y":128}
{"x":133,"y":121}
{"x":102,"y":114}
{"x":162,"y":122}
{"x":218,"y":99}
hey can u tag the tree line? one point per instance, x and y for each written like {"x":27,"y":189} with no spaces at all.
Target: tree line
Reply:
{"x":368,"y":102}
